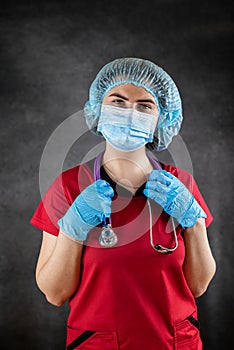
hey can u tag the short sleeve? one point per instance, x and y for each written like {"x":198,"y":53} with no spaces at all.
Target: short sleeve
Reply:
{"x":52,"y":207}
{"x":197,"y":195}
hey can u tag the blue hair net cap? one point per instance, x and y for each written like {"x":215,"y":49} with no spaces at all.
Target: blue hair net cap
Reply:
{"x":153,"y":79}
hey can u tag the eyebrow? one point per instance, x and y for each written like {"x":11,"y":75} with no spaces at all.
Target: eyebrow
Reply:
{"x":126,"y":99}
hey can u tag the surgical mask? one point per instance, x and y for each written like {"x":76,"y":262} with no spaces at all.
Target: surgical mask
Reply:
{"x":126,"y":129}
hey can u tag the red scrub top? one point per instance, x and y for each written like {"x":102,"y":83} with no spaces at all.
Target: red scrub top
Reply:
{"x":130,"y":297}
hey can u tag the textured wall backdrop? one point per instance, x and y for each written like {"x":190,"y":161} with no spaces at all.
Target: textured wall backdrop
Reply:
{"x":50,"y":53}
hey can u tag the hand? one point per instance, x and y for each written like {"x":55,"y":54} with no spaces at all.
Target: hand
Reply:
{"x":88,"y":210}
{"x":176,"y":200}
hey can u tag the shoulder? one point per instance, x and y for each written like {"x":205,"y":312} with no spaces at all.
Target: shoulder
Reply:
{"x":82,"y":170}
{"x":176,"y":171}
{"x":184,"y":176}
{"x":188,"y":180}
{"x":76,"y":179}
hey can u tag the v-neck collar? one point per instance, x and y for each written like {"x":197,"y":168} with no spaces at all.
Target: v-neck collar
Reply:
{"x":120,"y":190}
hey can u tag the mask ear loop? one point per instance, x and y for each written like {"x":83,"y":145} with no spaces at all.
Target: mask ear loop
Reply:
{"x":158,"y":247}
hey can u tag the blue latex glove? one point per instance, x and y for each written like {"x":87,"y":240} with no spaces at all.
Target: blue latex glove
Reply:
{"x":176,"y":200}
{"x":88,"y":210}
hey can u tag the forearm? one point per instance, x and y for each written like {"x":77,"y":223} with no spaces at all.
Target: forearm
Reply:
{"x":199,"y":265}
{"x":58,"y":277}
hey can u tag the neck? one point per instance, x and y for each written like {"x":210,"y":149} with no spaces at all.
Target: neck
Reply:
{"x":139,"y":156}
{"x":130,"y":169}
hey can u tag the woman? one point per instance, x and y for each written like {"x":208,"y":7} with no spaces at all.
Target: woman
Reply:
{"x":105,"y":224}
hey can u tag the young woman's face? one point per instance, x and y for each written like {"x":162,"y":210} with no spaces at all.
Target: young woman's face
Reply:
{"x":131,"y":96}
{"x":136,"y":130}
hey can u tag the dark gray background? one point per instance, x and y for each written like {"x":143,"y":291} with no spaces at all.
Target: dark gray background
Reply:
{"x":50,"y":53}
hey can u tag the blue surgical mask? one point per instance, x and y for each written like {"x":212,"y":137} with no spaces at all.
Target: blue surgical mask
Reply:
{"x":126,"y":129}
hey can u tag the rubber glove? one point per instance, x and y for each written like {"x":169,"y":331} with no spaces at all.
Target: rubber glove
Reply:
{"x":176,"y":200}
{"x":89,"y":209}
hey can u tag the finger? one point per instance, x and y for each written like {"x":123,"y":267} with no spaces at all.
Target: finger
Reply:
{"x":106,"y":201}
{"x":104,"y":187}
{"x":157,"y":186}
{"x":149,"y":193}
{"x":168,"y":174}
{"x":106,"y":208}
{"x":162,"y":172}
{"x":154,"y":174}
{"x":157,"y":197}
{"x":101,"y":183}
{"x":106,"y":192}
{"x":152,"y":194}
{"x":160,"y":176}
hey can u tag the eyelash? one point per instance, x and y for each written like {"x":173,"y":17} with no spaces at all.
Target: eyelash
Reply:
{"x":117,"y":101}
{"x":140,"y":105}
{"x":146,"y":106}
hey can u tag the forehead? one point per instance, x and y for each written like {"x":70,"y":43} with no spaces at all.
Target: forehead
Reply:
{"x":131,"y":91}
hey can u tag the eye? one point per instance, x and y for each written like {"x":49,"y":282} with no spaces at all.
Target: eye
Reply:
{"x":144,"y":107}
{"x":118,"y":102}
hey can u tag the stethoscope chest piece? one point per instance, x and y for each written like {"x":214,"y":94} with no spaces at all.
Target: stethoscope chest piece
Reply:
{"x":107,"y":237}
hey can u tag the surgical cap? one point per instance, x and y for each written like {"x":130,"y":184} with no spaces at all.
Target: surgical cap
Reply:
{"x":147,"y":75}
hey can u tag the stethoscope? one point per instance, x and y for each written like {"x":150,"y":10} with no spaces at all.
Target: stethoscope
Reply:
{"x":108,"y":237}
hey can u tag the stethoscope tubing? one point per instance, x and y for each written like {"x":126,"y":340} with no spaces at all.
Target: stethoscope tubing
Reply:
{"x":107,"y":224}
{"x":158,"y":247}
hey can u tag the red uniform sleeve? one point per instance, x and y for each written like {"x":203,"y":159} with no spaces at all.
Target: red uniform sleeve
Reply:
{"x":52,"y":207}
{"x":187,"y":179}
{"x":197,"y":195}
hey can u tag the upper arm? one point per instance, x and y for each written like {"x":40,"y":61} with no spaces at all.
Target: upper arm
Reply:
{"x":47,"y":247}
